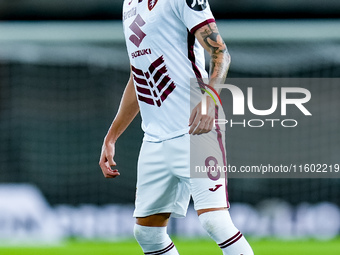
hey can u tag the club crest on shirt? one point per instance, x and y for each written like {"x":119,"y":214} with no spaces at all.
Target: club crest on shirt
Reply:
{"x":197,"y":5}
{"x":151,"y":4}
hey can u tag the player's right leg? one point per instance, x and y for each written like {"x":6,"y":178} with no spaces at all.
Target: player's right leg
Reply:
{"x":151,"y":234}
{"x":159,"y":194}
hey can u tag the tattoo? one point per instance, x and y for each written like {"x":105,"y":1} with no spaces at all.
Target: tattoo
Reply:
{"x":219,"y":54}
{"x":213,"y":39}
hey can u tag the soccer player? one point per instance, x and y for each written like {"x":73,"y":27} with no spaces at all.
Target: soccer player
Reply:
{"x":165,"y":41}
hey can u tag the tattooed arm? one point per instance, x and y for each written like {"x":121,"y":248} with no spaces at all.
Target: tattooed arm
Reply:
{"x":211,"y":40}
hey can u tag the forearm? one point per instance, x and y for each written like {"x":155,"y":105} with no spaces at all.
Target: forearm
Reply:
{"x":127,"y":111}
{"x":219,"y":66}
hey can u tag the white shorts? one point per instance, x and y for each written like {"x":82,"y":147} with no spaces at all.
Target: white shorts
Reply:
{"x":164,"y":178}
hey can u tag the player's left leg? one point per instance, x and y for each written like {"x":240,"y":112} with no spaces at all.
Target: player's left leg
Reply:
{"x":211,"y":204}
{"x":209,"y":192}
{"x":218,"y":224}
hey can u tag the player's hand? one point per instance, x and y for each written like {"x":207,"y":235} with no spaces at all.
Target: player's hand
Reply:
{"x":199,"y":123}
{"x":106,"y":161}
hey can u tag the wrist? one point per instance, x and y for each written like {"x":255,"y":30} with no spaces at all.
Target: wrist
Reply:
{"x":110,"y":138}
{"x":210,"y":100}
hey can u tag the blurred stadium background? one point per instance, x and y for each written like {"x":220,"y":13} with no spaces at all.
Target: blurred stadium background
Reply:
{"x":63,"y":68}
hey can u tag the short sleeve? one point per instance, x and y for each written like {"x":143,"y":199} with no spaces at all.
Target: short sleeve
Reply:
{"x":193,"y":13}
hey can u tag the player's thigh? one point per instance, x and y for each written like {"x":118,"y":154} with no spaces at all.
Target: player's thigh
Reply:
{"x":158,"y":188}
{"x":154,"y":181}
{"x":207,"y":193}
{"x":209,"y":184}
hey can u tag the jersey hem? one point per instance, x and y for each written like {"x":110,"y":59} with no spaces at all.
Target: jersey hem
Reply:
{"x":150,"y":138}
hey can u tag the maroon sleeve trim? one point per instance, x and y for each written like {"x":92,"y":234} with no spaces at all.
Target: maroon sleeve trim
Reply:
{"x":195,"y":28}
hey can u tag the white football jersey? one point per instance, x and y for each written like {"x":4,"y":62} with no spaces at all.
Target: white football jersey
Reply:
{"x":164,"y":56}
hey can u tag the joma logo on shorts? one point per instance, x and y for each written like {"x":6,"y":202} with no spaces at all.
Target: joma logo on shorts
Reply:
{"x":217,"y":186}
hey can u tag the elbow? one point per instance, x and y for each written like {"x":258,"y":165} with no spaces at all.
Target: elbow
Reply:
{"x":227,"y":58}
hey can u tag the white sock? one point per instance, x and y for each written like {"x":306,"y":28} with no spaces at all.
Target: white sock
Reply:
{"x":221,"y":229}
{"x":154,"y":240}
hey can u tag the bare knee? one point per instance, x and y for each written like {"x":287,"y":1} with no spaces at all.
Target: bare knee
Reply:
{"x":199,"y":212}
{"x":156,"y":220}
